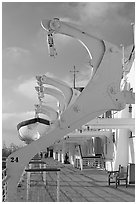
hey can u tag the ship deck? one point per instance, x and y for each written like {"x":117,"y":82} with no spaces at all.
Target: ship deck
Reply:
{"x":75,"y":186}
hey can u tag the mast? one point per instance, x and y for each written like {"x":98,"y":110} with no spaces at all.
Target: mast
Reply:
{"x":74,"y":76}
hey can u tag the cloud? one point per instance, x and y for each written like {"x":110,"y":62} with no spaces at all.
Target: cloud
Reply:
{"x":104,"y":19}
{"x":61,"y":40}
{"x":27,"y":88}
{"x":97,"y":12}
{"x":49,"y":74}
{"x":108,"y":20}
{"x":69,"y":20}
{"x":7,"y":104}
{"x":92,"y":10}
{"x":82,"y":78}
{"x":14,"y":60}
{"x":9,"y":125}
{"x":39,"y":42}
{"x":17,"y":116}
{"x":14,"y":53}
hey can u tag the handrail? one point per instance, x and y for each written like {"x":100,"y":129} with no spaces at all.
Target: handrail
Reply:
{"x":93,"y":161}
{"x":92,"y":157}
{"x":42,"y":169}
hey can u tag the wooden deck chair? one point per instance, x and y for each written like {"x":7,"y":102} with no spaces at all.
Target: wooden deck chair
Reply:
{"x":117,"y":176}
{"x":122,"y":175}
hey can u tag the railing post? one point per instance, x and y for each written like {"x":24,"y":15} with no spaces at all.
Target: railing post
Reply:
{"x":28,"y":182}
{"x":40,"y":165}
{"x":4,"y":192}
{"x":81,"y":164}
{"x":58,"y":185}
{"x":44,"y":176}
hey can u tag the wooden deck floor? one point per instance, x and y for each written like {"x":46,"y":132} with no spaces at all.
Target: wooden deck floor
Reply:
{"x":75,"y":186}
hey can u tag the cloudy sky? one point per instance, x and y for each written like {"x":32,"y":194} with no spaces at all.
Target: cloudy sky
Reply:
{"x":25,"y":53}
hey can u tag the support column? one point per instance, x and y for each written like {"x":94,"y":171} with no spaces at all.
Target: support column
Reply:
{"x":64,"y":149}
{"x":89,"y":146}
{"x":54,"y":154}
{"x":84,"y":148}
{"x":59,"y":155}
{"x":71,"y":153}
{"x":132,"y":150}
{"x":122,"y":152}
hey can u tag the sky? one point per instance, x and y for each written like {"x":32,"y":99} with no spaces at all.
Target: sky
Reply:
{"x":25,"y":53}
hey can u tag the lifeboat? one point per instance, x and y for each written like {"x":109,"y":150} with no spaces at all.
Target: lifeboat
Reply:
{"x":31,"y":130}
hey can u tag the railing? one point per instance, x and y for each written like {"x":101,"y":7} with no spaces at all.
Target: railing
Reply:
{"x":78,"y":162}
{"x":42,"y":168}
{"x":4,"y":185}
{"x":93,"y":162}
{"x":4,"y":179}
{"x":88,"y":162}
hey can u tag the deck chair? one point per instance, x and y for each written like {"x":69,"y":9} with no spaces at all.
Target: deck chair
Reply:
{"x":122,"y":175}
{"x":117,"y":176}
{"x":112,"y":177}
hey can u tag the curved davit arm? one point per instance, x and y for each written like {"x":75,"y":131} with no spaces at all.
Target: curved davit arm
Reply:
{"x":101,"y":94}
{"x":95,"y":47}
{"x":47,"y":110}
{"x":62,"y":86}
{"x":58,"y":95}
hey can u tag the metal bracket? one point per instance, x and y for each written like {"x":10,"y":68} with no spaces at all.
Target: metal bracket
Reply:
{"x":117,"y":96}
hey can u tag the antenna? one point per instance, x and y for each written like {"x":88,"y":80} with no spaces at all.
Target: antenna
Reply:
{"x":123,"y":55}
{"x":74,"y":76}
{"x":133,"y":28}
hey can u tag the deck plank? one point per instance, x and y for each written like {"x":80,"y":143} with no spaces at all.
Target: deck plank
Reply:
{"x":75,"y":186}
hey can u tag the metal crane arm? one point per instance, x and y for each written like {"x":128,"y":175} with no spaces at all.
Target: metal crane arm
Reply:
{"x":101,"y":94}
{"x":95,"y":47}
{"x":58,"y":95}
{"x":47,"y":110}
{"x":62,"y":86}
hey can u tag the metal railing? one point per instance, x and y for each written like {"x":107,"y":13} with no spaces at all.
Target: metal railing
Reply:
{"x":42,"y":169}
{"x":88,"y":162}
{"x":93,"y":162}
{"x":4,"y":185}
